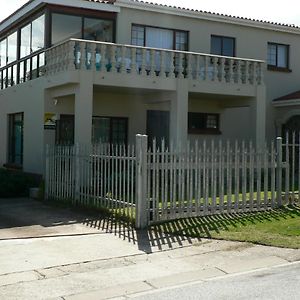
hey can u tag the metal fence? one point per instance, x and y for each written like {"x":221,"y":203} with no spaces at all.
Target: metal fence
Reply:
{"x":101,"y":176}
{"x":164,"y":183}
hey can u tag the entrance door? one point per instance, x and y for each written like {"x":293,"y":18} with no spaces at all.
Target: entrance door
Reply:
{"x":158,"y":126}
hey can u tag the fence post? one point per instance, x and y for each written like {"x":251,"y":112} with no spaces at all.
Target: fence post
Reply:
{"x":77,"y":173}
{"x":47,"y":170}
{"x":141,"y":213}
{"x":279,"y":170}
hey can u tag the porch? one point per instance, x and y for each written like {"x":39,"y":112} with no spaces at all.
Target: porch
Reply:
{"x":149,"y":79}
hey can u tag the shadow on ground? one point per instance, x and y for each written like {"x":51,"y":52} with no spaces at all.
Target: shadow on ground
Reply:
{"x":208,"y":226}
{"x":24,"y":213}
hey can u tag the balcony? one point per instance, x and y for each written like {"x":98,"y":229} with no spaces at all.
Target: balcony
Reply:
{"x":134,"y":61}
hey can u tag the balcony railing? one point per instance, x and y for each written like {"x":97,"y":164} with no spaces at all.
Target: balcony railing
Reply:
{"x":102,"y":57}
{"x":25,"y":69}
{"x":112,"y":58}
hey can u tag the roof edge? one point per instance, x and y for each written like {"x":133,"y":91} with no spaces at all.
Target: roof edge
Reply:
{"x":210,"y":16}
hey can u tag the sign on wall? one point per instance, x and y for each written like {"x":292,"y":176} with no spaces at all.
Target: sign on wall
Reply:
{"x":50,"y":121}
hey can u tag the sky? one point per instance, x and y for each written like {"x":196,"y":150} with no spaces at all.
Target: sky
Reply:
{"x":286,"y":12}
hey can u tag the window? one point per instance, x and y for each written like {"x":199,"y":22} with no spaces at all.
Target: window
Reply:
{"x":98,"y":30}
{"x":278,"y":56}
{"x":222,"y":45}
{"x":148,"y":36}
{"x":3,"y":52}
{"x":15,"y":136}
{"x":203,"y":123}
{"x":8,"y":49}
{"x":32,"y":38}
{"x":64,"y":133}
{"x":64,"y":27}
{"x":69,"y":26}
{"x":111,"y":130}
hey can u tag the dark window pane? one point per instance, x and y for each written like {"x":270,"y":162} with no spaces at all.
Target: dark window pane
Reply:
{"x":272,"y":54}
{"x":216,"y":45}
{"x":282,"y":56}
{"x":203,"y":122}
{"x":3,"y":49}
{"x":278,"y":55}
{"x":137,"y":35}
{"x":65,"y":27}
{"x":101,"y":130}
{"x":119,"y":129}
{"x":37,"y":38}
{"x":228,"y":47}
{"x":181,"y":41}
{"x":98,"y":30}
{"x":65,"y":130}
{"x":25,"y":40}
{"x":16,"y":138}
{"x":12,"y":47}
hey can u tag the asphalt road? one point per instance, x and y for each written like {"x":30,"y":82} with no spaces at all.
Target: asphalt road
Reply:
{"x":273,"y":283}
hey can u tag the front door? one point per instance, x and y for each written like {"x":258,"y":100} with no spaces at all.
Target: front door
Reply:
{"x":158,"y":126}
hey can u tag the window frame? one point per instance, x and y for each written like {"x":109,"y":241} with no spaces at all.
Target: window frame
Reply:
{"x":111,"y":119}
{"x":82,"y":14}
{"x":204,"y":130}
{"x":174,"y":31}
{"x":276,"y":67}
{"x":222,"y":37}
{"x":11,"y":155}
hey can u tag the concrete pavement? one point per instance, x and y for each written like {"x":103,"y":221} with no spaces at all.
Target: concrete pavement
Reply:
{"x":51,"y":253}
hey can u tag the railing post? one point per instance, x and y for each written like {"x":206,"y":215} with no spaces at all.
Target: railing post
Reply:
{"x":141,"y":221}
{"x":77,"y":173}
{"x":279,"y":171}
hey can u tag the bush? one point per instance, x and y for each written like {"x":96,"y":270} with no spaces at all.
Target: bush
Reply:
{"x":15,"y":183}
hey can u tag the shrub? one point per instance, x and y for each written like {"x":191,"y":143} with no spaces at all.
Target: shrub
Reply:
{"x":15,"y":183}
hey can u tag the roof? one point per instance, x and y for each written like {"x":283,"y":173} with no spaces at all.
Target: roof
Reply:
{"x":291,"y":96}
{"x":188,"y":11}
{"x":210,"y":13}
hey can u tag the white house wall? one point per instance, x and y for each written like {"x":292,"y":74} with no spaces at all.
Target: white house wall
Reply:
{"x":27,"y":98}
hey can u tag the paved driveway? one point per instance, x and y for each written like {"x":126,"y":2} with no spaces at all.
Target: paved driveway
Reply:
{"x":25,"y":218}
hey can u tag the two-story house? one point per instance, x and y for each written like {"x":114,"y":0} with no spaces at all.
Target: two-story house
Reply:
{"x":85,"y":71}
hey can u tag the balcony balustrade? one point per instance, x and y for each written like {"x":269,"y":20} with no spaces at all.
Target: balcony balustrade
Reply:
{"x":129,"y":60}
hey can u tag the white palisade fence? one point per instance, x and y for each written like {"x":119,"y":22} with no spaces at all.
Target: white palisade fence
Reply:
{"x":101,"y":176}
{"x":162,"y":183}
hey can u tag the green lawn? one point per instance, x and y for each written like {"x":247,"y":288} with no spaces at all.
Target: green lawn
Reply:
{"x":280,"y":227}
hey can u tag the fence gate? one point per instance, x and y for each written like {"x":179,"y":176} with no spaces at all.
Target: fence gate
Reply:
{"x":101,"y":176}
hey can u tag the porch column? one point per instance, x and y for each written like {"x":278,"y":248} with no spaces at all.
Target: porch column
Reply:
{"x":258,"y":109}
{"x":179,"y":113}
{"x":84,"y":109}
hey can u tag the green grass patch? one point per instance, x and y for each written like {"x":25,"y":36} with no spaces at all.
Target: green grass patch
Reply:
{"x":279,"y":227}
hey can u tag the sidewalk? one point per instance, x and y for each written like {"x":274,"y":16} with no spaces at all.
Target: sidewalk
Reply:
{"x":69,"y":256}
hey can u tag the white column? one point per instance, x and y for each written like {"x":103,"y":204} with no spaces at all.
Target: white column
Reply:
{"x":84,"y":109}
{"x":179,"y":113}
{"x":258,"y":109}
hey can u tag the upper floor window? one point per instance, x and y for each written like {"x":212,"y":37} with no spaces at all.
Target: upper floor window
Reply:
{"x":278,"y":56}
{"x":148,"y":36}
{"x":222,"y":45}
{"x":32,"y":37}
{"x":8,"y":49}
{"x":70,"y":26}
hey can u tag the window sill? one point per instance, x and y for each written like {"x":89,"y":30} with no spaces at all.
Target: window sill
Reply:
{"x":205,"y":131}
{"x":279,"y":69}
